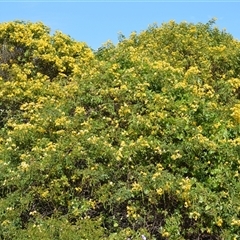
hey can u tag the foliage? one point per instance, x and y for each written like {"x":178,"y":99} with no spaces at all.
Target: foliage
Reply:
{"x":134,"y":141}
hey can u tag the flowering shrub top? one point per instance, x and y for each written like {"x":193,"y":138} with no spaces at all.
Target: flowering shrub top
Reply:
{"x":137,"y":140}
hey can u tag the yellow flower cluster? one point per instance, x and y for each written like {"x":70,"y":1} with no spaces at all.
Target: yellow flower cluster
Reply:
{"x":235,"y":83}
{"x":236,"y":112}
{"x":235,"y":222}
{"x":132,"y":212}
{"x":176,"y":155}
{"x":136,"y":187}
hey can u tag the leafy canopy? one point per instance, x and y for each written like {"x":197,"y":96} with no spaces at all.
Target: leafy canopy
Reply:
{"x":139,"y":139}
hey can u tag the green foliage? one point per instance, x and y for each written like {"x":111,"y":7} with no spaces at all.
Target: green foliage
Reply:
{"x":134,"y":141}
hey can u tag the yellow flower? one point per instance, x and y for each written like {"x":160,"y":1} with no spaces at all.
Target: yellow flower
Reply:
{"x":79,"y":110}
{"x":217,"y":125}
{"x":45,"y":194}
{"x":219,"y":222}
{"x":235,"y":222}
{"x":186,"y":184}
{"x":136,"y":187}
{"x":187,"y":204}
{"x":176,"y":155}
{"x":235,"y":83}
{"x":160,"y":191}
{"x":124,"y":110}
{"x":165,"y":233}
{"x":236,"y":112}
{"x":5,"y":222}
{"x":62,"y":121}
{"x":132,"y":212}
{"x":24,"y":166}
{"x":195,"y":215}
{"x":192,"y":71}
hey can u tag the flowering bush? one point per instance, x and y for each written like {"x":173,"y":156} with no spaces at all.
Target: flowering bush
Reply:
{"x":134,"y":141}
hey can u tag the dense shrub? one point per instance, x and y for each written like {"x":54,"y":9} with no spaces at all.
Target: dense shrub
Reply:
{"x":133,"y":141}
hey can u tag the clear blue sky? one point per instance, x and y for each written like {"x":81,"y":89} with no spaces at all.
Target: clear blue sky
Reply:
{"x":95,"y":22}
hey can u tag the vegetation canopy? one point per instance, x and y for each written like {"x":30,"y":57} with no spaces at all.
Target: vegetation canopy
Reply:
{"x":138,"y":140}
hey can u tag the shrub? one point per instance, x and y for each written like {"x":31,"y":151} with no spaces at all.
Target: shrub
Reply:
{"x":137,"y":140}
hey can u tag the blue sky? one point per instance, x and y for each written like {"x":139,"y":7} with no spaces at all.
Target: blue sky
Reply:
{"x":95,"y":22}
